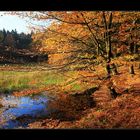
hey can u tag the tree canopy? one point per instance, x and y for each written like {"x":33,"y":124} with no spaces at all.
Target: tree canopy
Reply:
{"x":81,"y":37}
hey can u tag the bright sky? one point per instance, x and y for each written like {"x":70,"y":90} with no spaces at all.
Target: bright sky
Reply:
{"x":12,"y":22}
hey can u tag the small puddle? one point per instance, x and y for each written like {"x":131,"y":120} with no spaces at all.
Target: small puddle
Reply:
{"x":18,"y":112}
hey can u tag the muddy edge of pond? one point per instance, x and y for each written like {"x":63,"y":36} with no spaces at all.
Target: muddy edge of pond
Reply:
{"x":70,"y":107}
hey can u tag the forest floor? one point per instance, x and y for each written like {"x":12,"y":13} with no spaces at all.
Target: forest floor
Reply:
{"x":122,"y":112}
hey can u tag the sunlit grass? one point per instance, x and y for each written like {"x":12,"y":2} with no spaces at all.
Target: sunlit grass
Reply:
{"x":76,"y":87}
{"x":10,"y":80}
{"x":16,"y":80}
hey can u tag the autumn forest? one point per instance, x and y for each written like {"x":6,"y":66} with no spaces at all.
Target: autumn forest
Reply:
{"x":81,"y":70}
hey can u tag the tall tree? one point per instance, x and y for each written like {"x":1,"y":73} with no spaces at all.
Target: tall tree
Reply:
{"x":82,"y":36}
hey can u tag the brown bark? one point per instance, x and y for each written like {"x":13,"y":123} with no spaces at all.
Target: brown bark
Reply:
{"x":107,"y":26}
{"x":114,"y":69}
{"x":132,"y":69}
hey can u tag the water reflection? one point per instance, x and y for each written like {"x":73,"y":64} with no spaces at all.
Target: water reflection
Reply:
{"x":19,"y":111}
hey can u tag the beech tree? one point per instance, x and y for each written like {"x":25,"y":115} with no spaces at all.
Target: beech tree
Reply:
{"x":84,"y":33}
{"x":81,"y":37}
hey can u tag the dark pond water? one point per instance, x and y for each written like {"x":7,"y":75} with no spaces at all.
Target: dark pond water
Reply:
{"x":18,"y":112}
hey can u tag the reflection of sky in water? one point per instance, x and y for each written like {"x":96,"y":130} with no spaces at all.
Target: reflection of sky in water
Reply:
{"x":27,"y":106}
{"x":35,"y":107}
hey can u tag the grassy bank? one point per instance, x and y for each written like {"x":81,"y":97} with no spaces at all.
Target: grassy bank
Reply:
{"x":35,"y":76}
{"x":14,"y":79}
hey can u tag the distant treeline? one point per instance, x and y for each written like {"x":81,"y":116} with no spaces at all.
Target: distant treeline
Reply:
{"x":15,"y":40}
{"x":16,"y":48}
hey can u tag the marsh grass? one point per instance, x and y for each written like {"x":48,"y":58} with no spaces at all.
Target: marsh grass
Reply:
{"x":31,"y":76}
{"x":22,"y":80}
{"x":19,"y":80}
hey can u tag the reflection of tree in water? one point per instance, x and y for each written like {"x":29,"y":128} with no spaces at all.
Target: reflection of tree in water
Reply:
{"x":19,"y":111}
{"x":10,"y":101}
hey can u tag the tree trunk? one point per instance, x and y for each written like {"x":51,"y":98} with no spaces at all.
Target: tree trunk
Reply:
{"x":114,"y":69}
{"x":113,"y":93}
{"x":131,"y":48}
{"x":139,"y":66}
{"x":107,"y":35}
{"x":108,"y":49}
{"x":108,"y":69}
{"x":132,"y":69}
{"x":135,"y":49}
{"x":131,"y":44}
{"x":98,"y":49}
